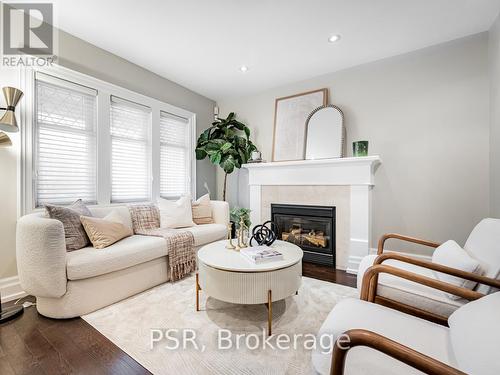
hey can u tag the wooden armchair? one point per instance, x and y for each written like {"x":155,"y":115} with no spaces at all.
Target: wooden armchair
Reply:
{"x":376,"y":340}
{"x":411,"y":285}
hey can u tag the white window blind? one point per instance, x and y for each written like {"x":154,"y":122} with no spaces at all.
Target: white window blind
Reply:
{"x":175,"y":162}
{"x":65,"y":142}
{"x":130,"y":151}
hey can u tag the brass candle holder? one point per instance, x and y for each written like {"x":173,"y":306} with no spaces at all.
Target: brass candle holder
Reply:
{"x":230,"y":244}
{"x":241,"y":236}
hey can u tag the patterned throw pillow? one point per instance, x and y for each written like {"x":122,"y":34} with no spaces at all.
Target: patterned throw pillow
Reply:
{"x":144,"y":217}
{"x":74,"y":233}
{"x":202,"y":210}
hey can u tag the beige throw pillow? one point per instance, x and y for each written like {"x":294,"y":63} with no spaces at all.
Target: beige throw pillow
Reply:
{"x":106,"y":231}
{"x":175,"y":214}
{"x":202,"y":210}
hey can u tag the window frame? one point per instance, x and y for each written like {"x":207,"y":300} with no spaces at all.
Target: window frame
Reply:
{"x":105,"y":91}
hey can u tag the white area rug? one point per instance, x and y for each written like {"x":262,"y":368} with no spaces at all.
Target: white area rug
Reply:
{"x":128,"y":324}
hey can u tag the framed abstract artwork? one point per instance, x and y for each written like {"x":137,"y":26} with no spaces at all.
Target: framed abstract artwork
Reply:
{"x":290,"y":115}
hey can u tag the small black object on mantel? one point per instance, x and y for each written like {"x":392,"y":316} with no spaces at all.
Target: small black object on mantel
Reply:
{"x":264,"y":234}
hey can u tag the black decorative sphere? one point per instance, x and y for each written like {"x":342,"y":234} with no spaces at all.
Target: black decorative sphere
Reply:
{"x":264,"y":234}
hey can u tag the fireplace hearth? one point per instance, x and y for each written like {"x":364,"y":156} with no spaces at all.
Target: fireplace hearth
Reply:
{"x":312,"y":228}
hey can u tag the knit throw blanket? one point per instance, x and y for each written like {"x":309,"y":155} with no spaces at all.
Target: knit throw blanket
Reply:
{"x":180,"y":244}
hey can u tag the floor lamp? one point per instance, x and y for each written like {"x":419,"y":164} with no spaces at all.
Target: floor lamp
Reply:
{"x":8,"y":123}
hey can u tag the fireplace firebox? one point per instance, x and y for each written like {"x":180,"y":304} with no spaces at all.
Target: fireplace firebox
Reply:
{"x":312,"y":228}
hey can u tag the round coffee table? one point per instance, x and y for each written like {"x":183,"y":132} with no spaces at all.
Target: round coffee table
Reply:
{"x":227,"y":276}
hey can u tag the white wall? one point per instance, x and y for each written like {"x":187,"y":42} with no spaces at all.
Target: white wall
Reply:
{"x":9,"y":158}
{"x":81,"y":56}
{"x":494,"y":62}
{"x":426,"y":114}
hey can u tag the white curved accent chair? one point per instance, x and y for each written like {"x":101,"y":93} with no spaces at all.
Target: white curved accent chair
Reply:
{"x":421,"y":299}
{"x":388,"y":342}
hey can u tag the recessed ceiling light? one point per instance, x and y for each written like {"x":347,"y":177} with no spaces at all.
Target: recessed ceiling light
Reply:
{"x":334,"y":38}
{"x":244,"y":68}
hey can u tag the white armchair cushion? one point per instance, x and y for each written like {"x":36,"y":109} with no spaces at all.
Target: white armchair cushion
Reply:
{"x":483,"y":245}
{"x":409,"y":292}
{"x":423,"y":336}
{"x":475,"y":335}
{"x":175,"y":214}
{"x":450,"y":254}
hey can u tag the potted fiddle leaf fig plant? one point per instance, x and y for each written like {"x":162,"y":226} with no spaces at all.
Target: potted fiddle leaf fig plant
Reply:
{"x":227,"y":144}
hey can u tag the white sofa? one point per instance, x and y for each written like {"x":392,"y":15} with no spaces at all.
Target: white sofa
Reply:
{"x":470,"y":344}
{"x":70,"y":284}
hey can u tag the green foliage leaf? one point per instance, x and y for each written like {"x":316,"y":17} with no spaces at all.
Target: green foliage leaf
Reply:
{"x":200,"y":154}
{"x":226,"y":146}
{"x":227,"y":143}
{"x":215,"y":158}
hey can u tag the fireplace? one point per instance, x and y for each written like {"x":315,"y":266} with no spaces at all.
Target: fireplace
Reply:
{"x":310,"y":227}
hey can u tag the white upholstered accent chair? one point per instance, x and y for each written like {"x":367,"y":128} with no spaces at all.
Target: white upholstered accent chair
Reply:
{"x":412,"y":285}
{"x":383,"y":341}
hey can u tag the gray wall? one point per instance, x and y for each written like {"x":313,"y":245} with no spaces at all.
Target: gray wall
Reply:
{"x":426,"y":114}
{"x":494,"y":62}
{"x":81,"y":56}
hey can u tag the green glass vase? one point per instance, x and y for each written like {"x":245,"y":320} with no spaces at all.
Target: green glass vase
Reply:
{"x":360,"y":148}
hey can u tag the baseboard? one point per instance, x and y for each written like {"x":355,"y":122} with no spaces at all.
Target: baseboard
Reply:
{"x":353,"y":264}
{"x":354,"y":261}
{"x":10,"y":289}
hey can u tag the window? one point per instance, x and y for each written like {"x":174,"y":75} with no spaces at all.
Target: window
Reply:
{"x":65,"y":147}
{"x":87,"y":139}
{"x":175,"y":161}
{"x":130,"y":151}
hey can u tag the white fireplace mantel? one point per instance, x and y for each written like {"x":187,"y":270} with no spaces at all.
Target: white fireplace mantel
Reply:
{"x":356,"y":172}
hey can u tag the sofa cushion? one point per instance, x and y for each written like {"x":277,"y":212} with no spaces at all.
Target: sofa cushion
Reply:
{"x":175,"y":214}
{"x":122,"y":211}
{"x":474,"y":334}
{"x":408,"y":292}
{"x":88,"y":262}
{"x":423,"y":336}
{"x":207,"y":233}
{"x":202,"y":210}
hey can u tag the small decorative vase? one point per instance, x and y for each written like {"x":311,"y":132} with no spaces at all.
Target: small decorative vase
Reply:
{"x":360,"y":148}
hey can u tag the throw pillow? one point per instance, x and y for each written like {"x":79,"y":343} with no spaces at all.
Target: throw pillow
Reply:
{"x":106,"y":231}
{"x":202,"y":210}
{"x":74,"y":233}
{"x":450,"y":254}
{"x":175,"y":214}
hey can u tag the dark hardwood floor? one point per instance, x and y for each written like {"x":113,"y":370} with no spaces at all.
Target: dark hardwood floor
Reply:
{"x":33,"y":344}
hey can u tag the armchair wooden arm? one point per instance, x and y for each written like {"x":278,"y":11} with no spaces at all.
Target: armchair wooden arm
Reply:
{"x":385,"y":237}
{"x":361,"y":337}
{"x":439,"y":268}
{"x":370,"y":284}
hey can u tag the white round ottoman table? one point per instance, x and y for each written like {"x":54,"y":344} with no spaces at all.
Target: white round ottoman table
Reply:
{"x":226,"y":275}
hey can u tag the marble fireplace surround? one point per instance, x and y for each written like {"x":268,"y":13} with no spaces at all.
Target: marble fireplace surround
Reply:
{"x":345,"y":183}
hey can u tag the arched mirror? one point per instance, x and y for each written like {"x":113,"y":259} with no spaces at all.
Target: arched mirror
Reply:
{"x":325,"y":133}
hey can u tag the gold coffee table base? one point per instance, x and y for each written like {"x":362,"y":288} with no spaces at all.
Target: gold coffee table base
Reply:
{"x":269,"y":305}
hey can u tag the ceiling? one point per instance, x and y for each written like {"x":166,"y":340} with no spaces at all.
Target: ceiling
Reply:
{"x":202,"y":44}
